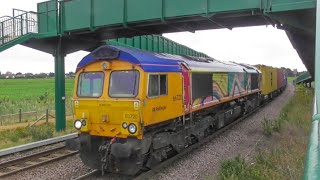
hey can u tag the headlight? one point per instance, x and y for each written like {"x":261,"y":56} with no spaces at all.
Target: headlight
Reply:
{"x":84,"y":123}
{"x":78,"y":124}
{"x":104,"y":66}
{"x":132,"y":128}
{"x":124,"y":125}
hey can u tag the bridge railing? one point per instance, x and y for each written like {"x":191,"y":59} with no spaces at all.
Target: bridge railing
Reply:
{"x":312,"y":163}
{"x":156,"y":43}
{"x":303,"y":77}
{"x":3,"y":18}
{"x":17,"y":26}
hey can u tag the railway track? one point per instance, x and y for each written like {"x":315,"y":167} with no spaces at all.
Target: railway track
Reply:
{"x":37,"y":159}
{"x":148,"y":174}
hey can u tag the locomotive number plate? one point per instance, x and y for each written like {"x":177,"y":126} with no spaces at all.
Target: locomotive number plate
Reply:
{"x":129,"y":116}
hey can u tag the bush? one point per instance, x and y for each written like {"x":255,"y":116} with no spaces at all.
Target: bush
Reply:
{"x":22,"y":132}
{"x":284,"y":115}
{"x":237,"y":169}
{"x":267,"y":126}
{"x":13,"y":137}
{"x":17,"y":134}
{"x":41,"y":132}
{"x":277,"y":125}
{"x":230,"y":168}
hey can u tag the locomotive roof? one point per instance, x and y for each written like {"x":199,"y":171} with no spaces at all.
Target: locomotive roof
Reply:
{"x":160,"y":62}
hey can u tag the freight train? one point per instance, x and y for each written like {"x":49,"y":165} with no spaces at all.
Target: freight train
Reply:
{"x":135,"y":109}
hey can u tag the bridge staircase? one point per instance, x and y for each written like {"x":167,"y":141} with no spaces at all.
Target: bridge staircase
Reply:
{"x":304,"y":78}
{"x":18,"y":28}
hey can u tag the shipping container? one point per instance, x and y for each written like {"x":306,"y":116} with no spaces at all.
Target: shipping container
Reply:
{"x":269,"y":79}
{"x":281,"y":79}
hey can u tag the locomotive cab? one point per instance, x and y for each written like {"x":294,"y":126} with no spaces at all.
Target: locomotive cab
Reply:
{"x":107,"y":99}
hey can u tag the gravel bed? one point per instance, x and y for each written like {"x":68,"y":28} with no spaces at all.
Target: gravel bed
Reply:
{"x":202,"y":163}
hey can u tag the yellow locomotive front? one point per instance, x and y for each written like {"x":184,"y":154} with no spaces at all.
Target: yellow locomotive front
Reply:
{"x":107,"y":109}
{"x":107,"y":99}
{"x":117,"y":104}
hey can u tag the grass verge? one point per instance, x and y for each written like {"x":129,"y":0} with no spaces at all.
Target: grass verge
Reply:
{"x":281,"y":154}
{"x":19,"y":136}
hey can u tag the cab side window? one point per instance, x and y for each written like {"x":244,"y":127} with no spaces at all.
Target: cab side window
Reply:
{"x":158,"y":85}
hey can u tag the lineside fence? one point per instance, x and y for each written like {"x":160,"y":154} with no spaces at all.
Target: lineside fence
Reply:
{"x":30,"y":116}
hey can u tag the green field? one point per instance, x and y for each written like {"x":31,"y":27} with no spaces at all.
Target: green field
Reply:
{"x":30,"y":95}
{"x":290,"y":79}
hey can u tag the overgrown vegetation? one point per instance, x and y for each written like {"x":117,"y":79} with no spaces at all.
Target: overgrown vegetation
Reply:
{"x":30,"y":95}
{"x":281,"y":154}
{"x":270,"y":126}
{"x":18,"y":136}
{"x":41,"y":132}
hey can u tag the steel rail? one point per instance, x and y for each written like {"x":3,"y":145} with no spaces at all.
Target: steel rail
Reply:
{"x":20,"y":164}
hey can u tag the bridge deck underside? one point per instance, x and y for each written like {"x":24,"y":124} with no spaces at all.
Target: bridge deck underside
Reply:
{"x":299,"y":26}
{"x":191,"y":24}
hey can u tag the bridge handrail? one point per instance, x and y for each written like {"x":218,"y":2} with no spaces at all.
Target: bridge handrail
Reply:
{"x":4,"y":18}
{"x":312,"y":162}
{"x":17,"y":26}
{"x":19,"y":16}
{"x":303,"y":77}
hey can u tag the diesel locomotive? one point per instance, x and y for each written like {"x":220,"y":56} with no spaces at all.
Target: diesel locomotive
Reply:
{"x":135,"y":109}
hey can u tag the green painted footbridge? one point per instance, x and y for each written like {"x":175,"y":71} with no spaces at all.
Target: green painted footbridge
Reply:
{"x":304,"y":78}
{"x":66,"y":26}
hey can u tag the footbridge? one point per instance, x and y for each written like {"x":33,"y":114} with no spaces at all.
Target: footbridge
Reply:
{"x":304,"y":78}
{"x":66,"y":26}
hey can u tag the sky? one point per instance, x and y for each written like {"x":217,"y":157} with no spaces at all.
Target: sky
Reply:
{"x":251,"y":45}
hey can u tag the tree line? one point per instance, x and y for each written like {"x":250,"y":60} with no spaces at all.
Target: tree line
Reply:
{"x":19,"y":75}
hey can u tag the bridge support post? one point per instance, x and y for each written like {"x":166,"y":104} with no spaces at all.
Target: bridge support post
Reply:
{"x":317,"y":59}
{"x":60,"y":98}
{"x":312,"y":166}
